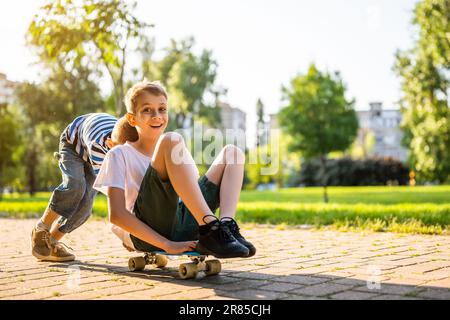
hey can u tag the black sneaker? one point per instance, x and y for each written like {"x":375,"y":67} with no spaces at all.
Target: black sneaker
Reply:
{"x":234,"y":228}
{"x":215,"y":239}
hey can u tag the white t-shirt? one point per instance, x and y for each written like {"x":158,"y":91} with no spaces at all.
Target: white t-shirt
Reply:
{"x":124,"y":167}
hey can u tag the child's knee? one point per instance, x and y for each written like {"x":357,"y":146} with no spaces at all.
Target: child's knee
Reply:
{"x":173,"y":146}
{"x":75,"y":185}
{"x":172,"y":139}
{"x":69,"y":194}
{"x":233,"y":155}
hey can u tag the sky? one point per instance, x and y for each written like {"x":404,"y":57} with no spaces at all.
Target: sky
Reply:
{"x":260,"y":45}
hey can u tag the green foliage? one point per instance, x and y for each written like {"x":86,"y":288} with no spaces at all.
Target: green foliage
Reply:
{"x":425,"y":79}
{"x":362,"y":149}
{"x":253,"y":170}
{"x":47,"y":109}
{"x":188,"y":78}
{"x":10,"y":142}
{"x":272,"y":163}
{"x":60,"y":98}
{"x":348,"y":172}
{"x":318,"y":116}
{"x":76,"y":42}
{"x":92,"y":36}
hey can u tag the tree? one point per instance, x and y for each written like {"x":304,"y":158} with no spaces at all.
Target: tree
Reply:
{"x":318,"y":116}
{"x":10,"y":141}
{"x":49,"y":107}
{"x":259,"y":122}
{"x":425,"y":80}
{"x":188,"y":78}
{"x":272,"y":163}
{"x":263,"y":156}
{"x":92,"y":35}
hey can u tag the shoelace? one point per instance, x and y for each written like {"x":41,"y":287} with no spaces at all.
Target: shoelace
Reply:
{"x":232,"y":225}
{"x":46,"y":238}
{"x":224,"y":231}
{"x":53,"y":244}
{"x":61,"y":245}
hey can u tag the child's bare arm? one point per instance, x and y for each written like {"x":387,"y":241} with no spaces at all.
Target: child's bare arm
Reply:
{"x":121,"y":217}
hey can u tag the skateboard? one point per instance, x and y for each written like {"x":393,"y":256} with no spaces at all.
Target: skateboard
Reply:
{"x":186,"y":270}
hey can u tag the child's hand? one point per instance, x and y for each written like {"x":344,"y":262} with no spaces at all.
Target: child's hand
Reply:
{"x":180,"y":247}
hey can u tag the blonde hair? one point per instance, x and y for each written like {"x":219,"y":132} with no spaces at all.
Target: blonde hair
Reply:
{"x":123,"y":132}
{"x":154,"y":88}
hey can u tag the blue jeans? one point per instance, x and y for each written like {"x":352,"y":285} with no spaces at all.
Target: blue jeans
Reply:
{"x":74,"y":197}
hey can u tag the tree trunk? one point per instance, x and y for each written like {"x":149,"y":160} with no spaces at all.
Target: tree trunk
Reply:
{"x":118,"y":102}
{"x":31,"y":171}
{"x":121,"y":84}
{"x":323,"y":159}
{"x":121,"y":96}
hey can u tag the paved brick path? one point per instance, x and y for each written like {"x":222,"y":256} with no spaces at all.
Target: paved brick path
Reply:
{"x":290,"y":264}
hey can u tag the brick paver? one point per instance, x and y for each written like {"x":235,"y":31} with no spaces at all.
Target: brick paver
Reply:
{"x":289,"y":264}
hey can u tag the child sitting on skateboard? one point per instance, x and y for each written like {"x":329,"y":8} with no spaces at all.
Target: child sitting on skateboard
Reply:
{"x":83,"y":145}
{"x":144,"y":181}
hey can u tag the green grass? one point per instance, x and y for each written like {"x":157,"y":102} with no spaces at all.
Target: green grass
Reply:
{"x":418,"y":209}
{"x":396,"y":209}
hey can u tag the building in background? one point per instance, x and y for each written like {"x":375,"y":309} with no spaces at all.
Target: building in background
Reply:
{"x":384,"y":126}
{"x":7,"y":88}
{"x":233,"y":125}
{"x":377,"y":124}
{"x":232,"y":118}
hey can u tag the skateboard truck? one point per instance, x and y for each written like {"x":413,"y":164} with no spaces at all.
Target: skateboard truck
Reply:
{"x":185,"y":270}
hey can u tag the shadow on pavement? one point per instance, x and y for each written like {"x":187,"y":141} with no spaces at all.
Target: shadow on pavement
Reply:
{"x":258,"y":285}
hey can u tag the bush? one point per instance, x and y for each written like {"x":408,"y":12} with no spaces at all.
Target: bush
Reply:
{"x":349,"y":172}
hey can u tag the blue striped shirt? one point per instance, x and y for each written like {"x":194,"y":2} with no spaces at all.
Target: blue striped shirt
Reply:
{"x":88,"y":134}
